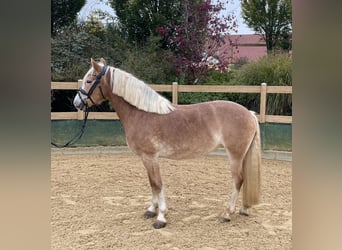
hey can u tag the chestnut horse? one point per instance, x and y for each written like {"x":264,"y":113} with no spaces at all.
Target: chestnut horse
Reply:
{"x":155,"y":128}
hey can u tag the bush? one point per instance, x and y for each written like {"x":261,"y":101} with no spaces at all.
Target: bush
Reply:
{"x":273,"y":69}
{"x":70,"y":54}
{"x":214,"y":78}
{"x":72,"y":49}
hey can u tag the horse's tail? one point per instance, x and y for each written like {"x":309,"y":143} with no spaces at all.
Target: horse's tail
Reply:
{"x":251,"y":171}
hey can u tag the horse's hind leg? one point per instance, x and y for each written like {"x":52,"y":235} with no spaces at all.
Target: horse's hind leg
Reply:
{"x":158,"y":199}
{"x":236,"y":170}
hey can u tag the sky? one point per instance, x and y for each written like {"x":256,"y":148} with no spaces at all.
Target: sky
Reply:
{"x":233,"y":7}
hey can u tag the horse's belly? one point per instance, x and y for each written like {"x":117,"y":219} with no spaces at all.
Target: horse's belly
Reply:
{"x":184,"y":155}
{"x":187,"y":151}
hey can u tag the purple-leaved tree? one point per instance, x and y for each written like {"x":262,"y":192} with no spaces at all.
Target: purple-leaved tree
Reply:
{"x":195,"y":40}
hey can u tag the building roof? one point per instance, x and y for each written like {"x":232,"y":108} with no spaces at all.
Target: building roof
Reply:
{"x":250,"y":47}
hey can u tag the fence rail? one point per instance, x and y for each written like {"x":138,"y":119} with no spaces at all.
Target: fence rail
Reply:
{"x":175,"y":88}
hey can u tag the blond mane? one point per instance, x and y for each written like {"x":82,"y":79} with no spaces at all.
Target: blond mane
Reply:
{"x":138,"y":93}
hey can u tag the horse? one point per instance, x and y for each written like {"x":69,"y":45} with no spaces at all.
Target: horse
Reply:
{"x":155,"y":128}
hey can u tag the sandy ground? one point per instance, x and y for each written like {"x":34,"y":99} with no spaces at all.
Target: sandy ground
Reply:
{"x":98,"y":201}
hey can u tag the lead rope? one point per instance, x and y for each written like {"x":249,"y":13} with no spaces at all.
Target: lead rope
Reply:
{"x":77,"y":136}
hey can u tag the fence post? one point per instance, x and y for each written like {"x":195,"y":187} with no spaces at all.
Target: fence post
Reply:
{"x":175,"y":93}
{"x":263,"y":92}
{"x":79,"y":112}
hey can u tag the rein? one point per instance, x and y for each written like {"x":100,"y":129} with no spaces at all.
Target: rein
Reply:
{"x":77,"y":136}
{"x":86,"y":112}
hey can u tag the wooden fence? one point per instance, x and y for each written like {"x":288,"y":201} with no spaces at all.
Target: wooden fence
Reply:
{"x":175,"y":88}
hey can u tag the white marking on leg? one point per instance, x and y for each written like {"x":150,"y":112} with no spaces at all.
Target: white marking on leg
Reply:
{"x":244,"y":211}
{"x":154,"y":204}
{"x":162,"y":206}
{"x":231,"y":205}
{"x":233,"y":199}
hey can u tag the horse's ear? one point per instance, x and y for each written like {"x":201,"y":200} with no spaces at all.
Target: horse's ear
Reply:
{"x":95,"y":65}
{"x":103,"y":61}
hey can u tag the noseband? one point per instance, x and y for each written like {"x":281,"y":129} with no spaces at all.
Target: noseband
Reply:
{"x":92,"y":88}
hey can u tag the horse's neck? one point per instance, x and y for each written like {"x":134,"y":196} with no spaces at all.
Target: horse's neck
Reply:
{"x":124,"y":110}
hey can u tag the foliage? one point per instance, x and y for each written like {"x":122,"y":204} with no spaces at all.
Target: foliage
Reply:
{"x":72,"y":49}
{"x":94,"y":27}
{"x":214,"y":77}
{"x":140,"y":18}
{"x":273,"y":69}
{"x":149,"y":63}
{"x":271,"y":18}
{"x":68,"y":50}
{"x":63,"y":13}
{"x":195,"y":40}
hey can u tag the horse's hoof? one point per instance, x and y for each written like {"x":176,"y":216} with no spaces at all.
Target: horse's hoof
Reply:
{"x":244,"y":212}
{"x":159,"y":224}
{"x":225,"y":217}
{"x":149,"y":215}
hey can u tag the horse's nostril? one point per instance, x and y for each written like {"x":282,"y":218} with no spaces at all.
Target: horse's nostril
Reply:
{"x":78,"y":103}
{"x":81,"y":106}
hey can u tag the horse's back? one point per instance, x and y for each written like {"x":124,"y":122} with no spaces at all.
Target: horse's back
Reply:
{"x":227,"y":106}
{"x":226,"y":113}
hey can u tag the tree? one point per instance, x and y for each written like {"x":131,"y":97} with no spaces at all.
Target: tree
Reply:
{"x":63,"y":13}
{"x":196,"y":39}
{"x":271,"y":18}
{"x":93,"y":25}
{"x":140,"y":18}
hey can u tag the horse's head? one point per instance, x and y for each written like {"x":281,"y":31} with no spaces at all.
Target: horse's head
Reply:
{"x":92,"y":90}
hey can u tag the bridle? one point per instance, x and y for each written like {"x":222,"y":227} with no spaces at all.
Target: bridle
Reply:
{"x":86,"y":111}
{"x":92,"y":88}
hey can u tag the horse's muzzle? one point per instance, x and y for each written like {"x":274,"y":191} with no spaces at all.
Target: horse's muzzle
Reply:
{"x":79,"y":103}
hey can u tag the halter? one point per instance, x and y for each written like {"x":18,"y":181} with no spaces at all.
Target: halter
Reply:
{"x":92,"y":88}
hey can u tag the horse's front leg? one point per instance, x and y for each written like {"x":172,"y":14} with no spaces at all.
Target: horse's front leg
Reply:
{"x":158,"y":199}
